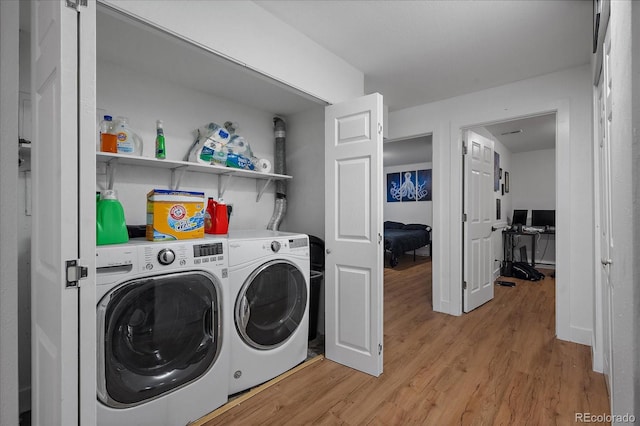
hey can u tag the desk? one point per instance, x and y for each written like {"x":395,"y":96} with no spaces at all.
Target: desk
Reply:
{"x":508,"y":243}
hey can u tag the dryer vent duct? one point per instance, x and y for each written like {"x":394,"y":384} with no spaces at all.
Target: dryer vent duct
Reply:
{"x":279,"y":167}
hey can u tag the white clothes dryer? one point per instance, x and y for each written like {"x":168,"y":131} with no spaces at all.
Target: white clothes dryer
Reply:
{"x":269,"y":278}
{"x":163,"y":333}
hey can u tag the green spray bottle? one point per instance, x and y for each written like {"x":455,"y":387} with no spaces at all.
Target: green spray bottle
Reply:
{"x":161,"y":152}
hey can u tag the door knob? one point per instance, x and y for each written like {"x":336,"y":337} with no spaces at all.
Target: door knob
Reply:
{"x":606,"y":261}
{"x":328,"y":251}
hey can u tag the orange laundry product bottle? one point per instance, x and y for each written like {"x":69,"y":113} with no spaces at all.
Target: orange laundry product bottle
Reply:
{"x":221,"y":222}
{"x":210,"y":216}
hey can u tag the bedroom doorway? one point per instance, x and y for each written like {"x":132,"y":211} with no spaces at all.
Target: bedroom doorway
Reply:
{"x":524,"y":179}
{"x":408,"y":203}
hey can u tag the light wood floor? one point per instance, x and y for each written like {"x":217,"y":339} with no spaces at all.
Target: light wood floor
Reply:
{"x":498,"y":365}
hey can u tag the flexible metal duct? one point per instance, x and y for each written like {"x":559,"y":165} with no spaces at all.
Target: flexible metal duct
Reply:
{"x":279,"y":167}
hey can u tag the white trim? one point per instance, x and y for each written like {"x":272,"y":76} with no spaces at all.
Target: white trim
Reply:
{"x":9,"y":79}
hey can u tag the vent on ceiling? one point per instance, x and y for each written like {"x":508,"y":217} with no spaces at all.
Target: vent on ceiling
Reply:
{"x":511,"y":133}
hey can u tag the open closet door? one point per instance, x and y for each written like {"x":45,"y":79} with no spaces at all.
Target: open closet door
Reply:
{"x":63,"y":219}
{"x":478,"y":206}
{"x":353,"y":233}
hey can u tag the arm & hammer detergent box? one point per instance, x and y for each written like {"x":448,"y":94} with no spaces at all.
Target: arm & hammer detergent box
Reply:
{"x":174,"y":215}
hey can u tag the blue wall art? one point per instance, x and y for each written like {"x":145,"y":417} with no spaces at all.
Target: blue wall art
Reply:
{"x":411,"y":185}
{"x":408,"y":186}
{"x":393,"y":187}
{"x":423,"y":186}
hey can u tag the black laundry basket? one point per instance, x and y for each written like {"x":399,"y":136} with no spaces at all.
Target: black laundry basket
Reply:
{"x":316,"y":246}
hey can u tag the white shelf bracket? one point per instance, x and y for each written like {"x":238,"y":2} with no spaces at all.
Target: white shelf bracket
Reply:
{"x":111,"y":172}
{"x":223,"y":184}
{"x":264,"y":186}
{"x":176,"y":177}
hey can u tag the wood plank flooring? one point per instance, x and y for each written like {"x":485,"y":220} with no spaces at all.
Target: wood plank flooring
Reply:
{"x":498,"y":365}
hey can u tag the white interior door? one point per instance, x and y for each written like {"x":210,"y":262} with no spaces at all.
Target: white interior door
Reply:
{"x":61,"y":312}
{"x":604,"y":200}
{"x":353,"y":234}
{"x":479,"y":207}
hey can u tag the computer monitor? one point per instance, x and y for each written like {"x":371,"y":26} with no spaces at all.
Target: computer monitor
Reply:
{"x":520,"y":217}
{"x":541,"y":218}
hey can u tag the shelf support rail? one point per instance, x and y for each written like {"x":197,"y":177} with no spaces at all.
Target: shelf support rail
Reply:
{"x":223,"y":183}
{"x":264,"y":187}
{"x":176,"y":177}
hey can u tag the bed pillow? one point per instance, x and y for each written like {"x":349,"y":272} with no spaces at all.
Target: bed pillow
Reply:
{"x":389,"y":224}
{"x":416,"y":227}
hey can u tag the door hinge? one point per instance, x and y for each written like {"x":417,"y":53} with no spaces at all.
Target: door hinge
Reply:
{"x":379,"y":238}
{"x":464,"y":148}
{"x":75,"y":273}
{"x":379,"y":128}
{"x":75,"y":3}
{"x":464,"y":285}
{"x":464,"y":217}
{"x":379,"y":348}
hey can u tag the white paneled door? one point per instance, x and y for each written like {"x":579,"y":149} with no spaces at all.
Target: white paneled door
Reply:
{"x":479,"y":208}
{"x":63,"y":311}
{"x":604,"y":200}
{"x":353,"y":234}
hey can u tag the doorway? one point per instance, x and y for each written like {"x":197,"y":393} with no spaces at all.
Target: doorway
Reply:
{"x":408,"y":201}
{"x":525,"y":180}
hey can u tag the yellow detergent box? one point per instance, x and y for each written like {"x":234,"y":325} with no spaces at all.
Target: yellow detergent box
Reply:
{"x":175,"y":215}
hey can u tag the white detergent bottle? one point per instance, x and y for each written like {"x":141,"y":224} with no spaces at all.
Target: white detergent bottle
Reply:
{"x":128,"y":141}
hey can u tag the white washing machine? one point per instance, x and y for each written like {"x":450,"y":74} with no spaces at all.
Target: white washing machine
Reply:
{"x":163,"y":333}
{"x":269,"y":278}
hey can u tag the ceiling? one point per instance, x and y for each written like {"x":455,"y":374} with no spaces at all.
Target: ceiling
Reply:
{"x":533,"y":133}
{"x":416,"y":52}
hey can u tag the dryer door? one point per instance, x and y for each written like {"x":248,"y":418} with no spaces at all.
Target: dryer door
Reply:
{"x":271,"y":304}
{"x":156,"y":334}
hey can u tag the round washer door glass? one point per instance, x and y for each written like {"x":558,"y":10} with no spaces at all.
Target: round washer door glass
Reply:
{"x":271,"y":304}
{"x":158,"y":334}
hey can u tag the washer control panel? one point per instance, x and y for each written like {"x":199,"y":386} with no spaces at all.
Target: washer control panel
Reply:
{"x":155,"y":257}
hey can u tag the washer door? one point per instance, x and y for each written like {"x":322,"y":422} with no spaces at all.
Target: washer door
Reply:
{"x":155,"y":335}
{"x":271,"y":304}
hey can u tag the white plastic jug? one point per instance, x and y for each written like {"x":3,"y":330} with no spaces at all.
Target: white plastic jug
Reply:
{"x":128,"y":141}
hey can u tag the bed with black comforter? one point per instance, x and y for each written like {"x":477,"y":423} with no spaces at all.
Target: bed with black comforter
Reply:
{"x":400,"y":238}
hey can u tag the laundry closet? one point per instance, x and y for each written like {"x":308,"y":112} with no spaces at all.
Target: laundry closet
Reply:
{"x":148,"y":73}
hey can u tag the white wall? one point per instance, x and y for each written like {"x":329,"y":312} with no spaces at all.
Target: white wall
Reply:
{"x":533,"y":186}
{"x":121,"y":91}
{"x":305,"y":162}
{"x":533,"y":180}
{"x":569,"y":93}
{"x":246,"y":33}
{"x":409,"y":211}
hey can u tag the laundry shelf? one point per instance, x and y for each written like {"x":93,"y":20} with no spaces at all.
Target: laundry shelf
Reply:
{"x":178,"y":168}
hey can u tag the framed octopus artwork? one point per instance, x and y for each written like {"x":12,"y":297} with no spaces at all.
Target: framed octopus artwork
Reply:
{"x":413,"y":185}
